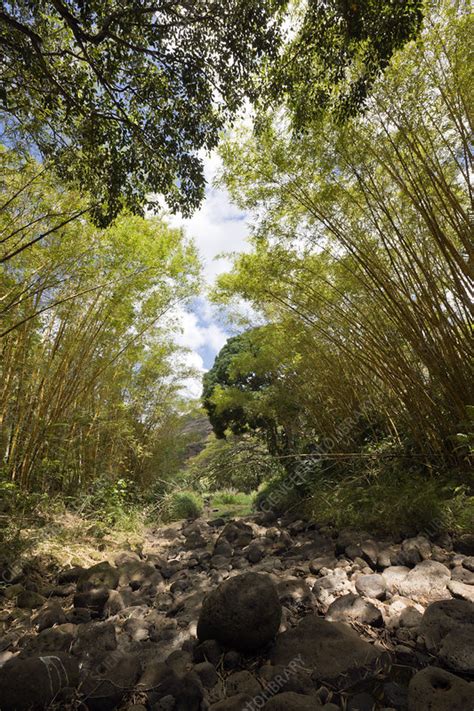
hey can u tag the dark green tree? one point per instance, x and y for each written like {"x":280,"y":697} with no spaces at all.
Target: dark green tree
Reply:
{"x":121,"y":95}
{"x":246,"y":390}
{"x":340,"y":49}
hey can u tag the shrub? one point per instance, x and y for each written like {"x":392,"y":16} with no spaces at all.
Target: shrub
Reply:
{"x":406,"y":502}
{"x":178,"y":505}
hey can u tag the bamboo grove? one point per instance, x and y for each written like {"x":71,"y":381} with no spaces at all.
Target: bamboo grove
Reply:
{"x":362,"y":247}
{"x":89,"y":372}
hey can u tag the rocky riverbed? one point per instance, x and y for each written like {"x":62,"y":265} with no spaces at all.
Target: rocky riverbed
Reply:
{"x":256,"y":613}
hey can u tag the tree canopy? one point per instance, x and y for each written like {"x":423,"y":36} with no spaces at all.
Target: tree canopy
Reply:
{"x":122,"y":96}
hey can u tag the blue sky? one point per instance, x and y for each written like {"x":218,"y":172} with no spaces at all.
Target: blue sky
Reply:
{"x":217,"y":227}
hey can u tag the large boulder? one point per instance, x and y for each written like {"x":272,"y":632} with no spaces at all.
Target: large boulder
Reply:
{"x":457,"y":650}
{"x":243,"y":613}
{"x":426,"y":582}
{"x":33,"y":683}
{"x":333,"y":651}
{"x":447,"y":628}
{"x":443,"y":617}
{"x":434,"y":689}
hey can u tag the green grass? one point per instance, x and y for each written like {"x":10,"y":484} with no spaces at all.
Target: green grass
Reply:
{"x":231,"y":504}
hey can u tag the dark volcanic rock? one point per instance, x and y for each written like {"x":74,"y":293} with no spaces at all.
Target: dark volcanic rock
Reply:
{"x":36,"y":681}
{"x":243,"y":613}
{"x":434,"y":689}
{"x":104,"y":688}
{"x":333,"y":651}
{"x":29,"y":600}
{"x":92,"y":600}
{"x":53,"y":614}
{"x":160,"y":681}
{"x":290,"y":701}
{"x":237,"y":533}
{"x":465,"y":544}
{"x":102,"y":575}
{"x":443,"y":617}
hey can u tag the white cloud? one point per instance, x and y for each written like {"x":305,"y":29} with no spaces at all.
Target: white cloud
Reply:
{"x":217,"y":227}
{"x":195,"y":336}
{"x":192,"y":387}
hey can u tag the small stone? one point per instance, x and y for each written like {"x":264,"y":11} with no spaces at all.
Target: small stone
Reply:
{"x":93,"y":600}
{"x":30,"y":600}
{"x":207,"y":674}
{"x":102,"y":575}
{"x":255,"y":553}
{"x":352,"y":608}
{"x":78,"y":615}
{"x":231,"y":660}
{"x":469,"y":563}
{"x":361,"y":702}
{"x":384,"y":559}
{"x":371,"y":586}
{"x":465,"y":544}
{"x":460,"y":574}
{"x":70,"y":575}
{"x":353,"y":551}
{"x":52,"y":615}
{"x":13,"y":591}
{"x":208,"y":651}
{"x":242,"y":682}
{"x":395,"y":695}
{"x":461,"y":591}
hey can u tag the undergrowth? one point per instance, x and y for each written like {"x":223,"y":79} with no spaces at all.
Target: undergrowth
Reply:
{"x":390,"y":495}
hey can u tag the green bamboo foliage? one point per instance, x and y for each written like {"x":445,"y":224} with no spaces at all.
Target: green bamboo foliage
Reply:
{"x":87,"y":374}
{"x":363,"y":241}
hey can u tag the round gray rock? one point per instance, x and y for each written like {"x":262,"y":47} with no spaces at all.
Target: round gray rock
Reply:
{"x":352,"y":608}
{"x":243,"y":613}
{"x":371,"y":586}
